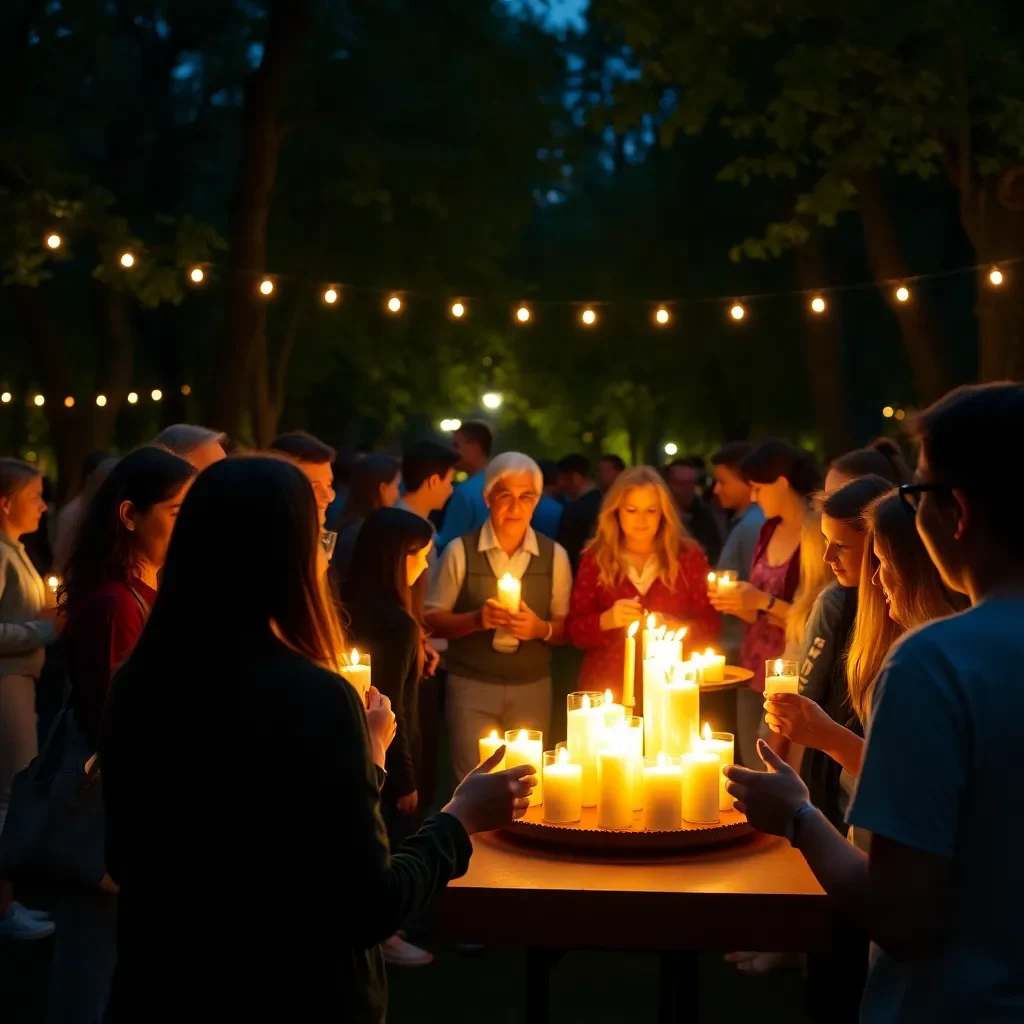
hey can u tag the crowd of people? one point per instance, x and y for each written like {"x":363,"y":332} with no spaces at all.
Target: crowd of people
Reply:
{"x":255,"y":802}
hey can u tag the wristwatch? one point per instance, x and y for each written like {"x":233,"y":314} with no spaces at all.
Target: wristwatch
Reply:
{"x":794,"y":823}
{"x":771,"y":603}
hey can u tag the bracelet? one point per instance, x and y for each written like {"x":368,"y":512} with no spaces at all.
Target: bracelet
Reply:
{"x":550,"y":633}
{"x":771,"y":603}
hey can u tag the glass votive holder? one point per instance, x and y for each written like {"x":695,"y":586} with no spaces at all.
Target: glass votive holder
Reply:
{"x":724,"y":745}
{"x":614,"y":788}
{"x":563,"y":788}
{"x":356,"y":669}
{"x":722,"y":580}
{"x":662,"y":793}
{"x":633,"y":739}
{"x":781,"y":676}
{"x":526,"y":746}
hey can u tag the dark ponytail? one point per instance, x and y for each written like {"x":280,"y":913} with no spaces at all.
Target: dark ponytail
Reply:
{"x":882,"y":457}
{"x":766,"y":463}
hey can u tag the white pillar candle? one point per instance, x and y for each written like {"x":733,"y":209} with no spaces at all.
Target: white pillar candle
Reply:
{"x":526,"y":746}
{"x":701,"y":771}
{"x":510,"y":594}
{"x":563,"y":788}
{"x":357,"y":671}
{"x":488,"y":745}
{"x":650,"y":635}
{"x":584,"y":732}
{"x":662,"y":794}
{"x":614,"y":714}
{"x":724,"y":745}
{"x":781,"y":677}
{"x":713,"y":666}
{"x":632,"y":738}
{"x":680,"y":703}
{"x":614,"y":788}
{"x":654,"y":684}
{"x":629,"y":667}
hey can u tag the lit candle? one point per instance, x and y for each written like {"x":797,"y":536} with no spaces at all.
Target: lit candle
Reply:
{"x":712,"y":583}
{"x":357,"y":671}
{"x":584,"y":731}
{"x":526,"y":746}
{"x":631,"y":736}
{"x":724,"y":745}
{"x":510,"y":592}
{"x":701,"y":771}
{"x":727,"y":581}
{"x":780,"y":677}
{"x":662,"y":794}
{"x":614,"y":714}
{"x":680,"y":704}
{"x":53,"y":582}
{"x":614,"y":788}
{"x":629,"y":667}
{"x":713,"y":666}
{"x":650,"y":634}
{"x":563,"y":787}
{"x":488,"y":745}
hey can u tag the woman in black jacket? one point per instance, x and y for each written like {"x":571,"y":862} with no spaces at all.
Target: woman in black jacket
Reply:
{"x":383,"y":595}
{"x":241,"y":775}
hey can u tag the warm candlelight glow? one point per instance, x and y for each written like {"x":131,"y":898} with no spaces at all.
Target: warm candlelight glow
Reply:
{"x":705,"y":733}
{"x":353,"y":658}
{"x":712,"y":577}
{"x":562,"y":756}
{"x":53,"y":582}
{"x":632,"y":629}
{"x":585,"y":703}
{"x":662,"y":759}
{"x":523,"y":736}
{"x":493,"y":735}
{"x":652,"y":622}
{"x":608,"y":697}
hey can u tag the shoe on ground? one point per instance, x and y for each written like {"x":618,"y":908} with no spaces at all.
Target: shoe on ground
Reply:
{"x":18,"y":926}
{"x":36,"y":915}
{"x":400,"y":953}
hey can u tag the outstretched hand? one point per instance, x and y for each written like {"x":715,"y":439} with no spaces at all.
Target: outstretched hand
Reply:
{"x":486,"y":800}
{"x":769,"y":799}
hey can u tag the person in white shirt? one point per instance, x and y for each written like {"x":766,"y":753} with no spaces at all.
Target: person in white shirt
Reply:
{"x":499,"y":661}
{"x":939,"y":892}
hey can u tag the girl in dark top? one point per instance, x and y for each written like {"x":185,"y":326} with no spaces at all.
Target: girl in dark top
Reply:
{"x":374,"y":484}
{"x":383,"y":596}
{"x":109,"y":586}
{"x":233,"y":752}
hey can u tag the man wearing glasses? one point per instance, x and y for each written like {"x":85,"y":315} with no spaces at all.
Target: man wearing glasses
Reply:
{"x":940,"y":891}
{"x":499,"y":660}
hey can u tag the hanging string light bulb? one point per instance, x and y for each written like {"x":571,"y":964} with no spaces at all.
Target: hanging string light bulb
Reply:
{"x":458,"y":310}
{"x":995,"y":277}
{"x":133,"y":397}
{"x":69,"y":402}
{"x":5,"y":398}
{"x":737,"y":312}
{"x":156,"y":394}
{"x":523,"y":314}
{"x":53,"y":241}
{"x":101,"y":400}
{"x":39,"y":401}
{"x":196,"y":275}
{"x":266,"y":287}
{"x":331,"y":296}
{"x":395,"y":304}
{"x":902,"y":293}
{"x":662,"y":316}
{"x":818,"y":304}
{"x":127,"y":260}
{"x":589,"y":317}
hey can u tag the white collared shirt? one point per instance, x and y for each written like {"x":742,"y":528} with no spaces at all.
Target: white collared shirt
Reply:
{"x":643,"y":581}
{"x":447,"y":578}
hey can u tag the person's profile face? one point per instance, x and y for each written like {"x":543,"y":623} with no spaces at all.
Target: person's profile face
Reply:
{"x":512,"y":501}
{"x":389,"y":492}
{"x":844,"y":550}
{"x":206,"y":455}
{"x":640,"y":514}
{"x":732,"y":490}
{"x":468,"y":452}
{"x":887,"y":580}
{"x":322,"y":479}
{"x":416,"y":563}
{"x":151,"y":530}
{"x":441,"y":489}
{"x":771,"y":496}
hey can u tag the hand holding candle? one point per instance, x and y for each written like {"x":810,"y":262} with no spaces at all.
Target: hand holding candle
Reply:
{"x":780,"y":677}
{"x":357,"y":671}
{"x":526,"y":746}
{"x":510,"y":592}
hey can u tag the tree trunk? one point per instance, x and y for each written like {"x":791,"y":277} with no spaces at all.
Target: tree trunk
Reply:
{"x":922,"y":338}
{"x":822,"y":347}
{"x":262,"y":136}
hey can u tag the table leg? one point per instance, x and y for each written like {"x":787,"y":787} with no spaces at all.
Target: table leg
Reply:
{"x":678,"y":988}
{"x":539,"y":963}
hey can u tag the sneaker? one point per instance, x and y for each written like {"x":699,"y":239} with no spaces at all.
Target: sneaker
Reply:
{"x":35,"y":915}
{"x":400,"y":953}
{"x":19,"y":926}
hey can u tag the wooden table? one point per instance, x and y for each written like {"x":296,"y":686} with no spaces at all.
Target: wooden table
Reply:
{"x":755,"y":894}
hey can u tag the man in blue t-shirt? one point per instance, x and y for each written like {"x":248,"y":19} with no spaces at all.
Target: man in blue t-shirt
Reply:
{"x":940,"y":891}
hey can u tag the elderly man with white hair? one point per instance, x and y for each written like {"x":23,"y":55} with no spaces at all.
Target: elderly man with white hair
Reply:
{"x":499,"y":661}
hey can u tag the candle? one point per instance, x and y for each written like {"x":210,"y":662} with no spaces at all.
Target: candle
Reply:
{"x":713,"y":666}
{"x":712,"y":583}
{"x":526,"y":746}
{"x":680,"y":704}
{"x":53,"y":582}
{"x":724,"y":745}
{"x":563,"y":787}
{"x":631,"y":735}
{"x":650,"y":634}
{"x":629,"y":667}
{"x":488,"y":745}
{"x":510,"y":592}
{"x":726,"y":581}
{"x":654,"y":684}
{"x":701,"y":771}
{"x":614,"y":788}
{"x":357,"y":671}
{"x":584,"y":730}
{"x":780,"y":677}
{"x":613,"y":713}
{"x":662,"y":793}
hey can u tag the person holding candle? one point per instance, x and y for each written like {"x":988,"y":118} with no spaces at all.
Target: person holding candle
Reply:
{"x":936,"y":787}
{"x":782,"y":477}
{"x":27,"y":626}
{"x":640,"y":560}
{"x":508,"y":687}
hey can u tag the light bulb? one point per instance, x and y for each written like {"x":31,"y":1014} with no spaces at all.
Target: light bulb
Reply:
{"x":186,"y":389}
{"x":196,"y":275}
{"x":662,"y":315}
{"x":394,"y":304}
{"x":266,"y":286}
{"x":5,"y":397}
{"x":492,"y":400}
{"x":522,"y":314}
{"x":331,"y":296}
{"x":902,"y":293}
{"x":127,"y":260}
{"x":458,"y":310}
{"x":133,"y":397}
{"x":53,"y":241}
{"x":101,"y":400}
{"x":818,"y":304}
{"x":671,"y":448}
{"x":888,"y":411}
{"x":589,"y":317}
{"x":737,"y":312}
{"x":995,"y":277}
{"x":39,"y":401}
{"x":156,"y":394}
{"x":69,"y":402}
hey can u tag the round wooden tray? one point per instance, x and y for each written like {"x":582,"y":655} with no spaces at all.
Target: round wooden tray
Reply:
{"x":585,"y":837}
{"x":734,"y":677}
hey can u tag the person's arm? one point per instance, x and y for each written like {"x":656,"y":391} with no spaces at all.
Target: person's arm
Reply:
{"x":583,"y":624}
{"x":394,"y":660}
{"x":458,"y":519}
{"x":21,"y":637}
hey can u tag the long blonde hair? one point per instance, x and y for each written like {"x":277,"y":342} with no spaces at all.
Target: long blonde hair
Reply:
{"x":815,"y":576}
{"x":671,"y":538}
{"x":922,"y":594}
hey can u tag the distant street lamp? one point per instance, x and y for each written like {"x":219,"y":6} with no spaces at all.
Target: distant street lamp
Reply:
{"x":492,"y":400}
{"x":671,"y":448}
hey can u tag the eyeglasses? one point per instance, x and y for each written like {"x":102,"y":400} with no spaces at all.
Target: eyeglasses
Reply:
{"x":910,"y":494}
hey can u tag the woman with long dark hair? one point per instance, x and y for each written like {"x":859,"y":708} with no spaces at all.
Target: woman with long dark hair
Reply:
{"x":234,"y":753}
{"x":374,"y":484}
{"x":110,"y":583}
{"x":383,"y":596}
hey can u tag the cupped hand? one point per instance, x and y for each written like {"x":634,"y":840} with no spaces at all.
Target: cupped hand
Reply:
{"x":624,"y":612}
{"x":768,"y":799}
{"x":431,"y":660}
{"x":494,"y":615}
{"x":484,"y":802}
{"x":742,"y":599}
{"x":381,"y":721}
{"x":798,"y":719}
{"x":525,"y":625}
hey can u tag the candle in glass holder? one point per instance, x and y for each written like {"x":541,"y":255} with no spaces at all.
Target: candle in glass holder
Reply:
{"x":526,"y":746}
{"x":650,"y":635}
{"x":680,"y":710}
{"x":713,"y":666}
{"x":781,"y":677}
{"x":613,"y":713}
{"x":629,"y":667}
{"x":563,"y":787}
{"x":614,"y":788}
{"x":712,"y":583}
{"x":701,"y":771}
{"x":488,"y":745}
{"x":662,"y":793}
{"x":584,"y":732}
{"x":726,"y":580}
{"x":630,"y":734}
{"x":724,"y":745}
{"x":357,"y":671}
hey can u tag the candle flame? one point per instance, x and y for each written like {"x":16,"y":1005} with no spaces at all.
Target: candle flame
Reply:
{"x":778,"y":667}
{"x":608,"y":699}
{"x":632,"y":629}
{"x":662,"y":759}
{"x":507,"y":582}
{"x":353,"y":658}
{"x":706,"y":731}
{"x":53,"y":582}
{"x":494,"y":734}
{"x":523,"y":736}
{"x":585,"y":703}
{"x":711,"y":577}
{"x":562,"y":757}
{"x":652,"y":621}
{"x":709,"y":653}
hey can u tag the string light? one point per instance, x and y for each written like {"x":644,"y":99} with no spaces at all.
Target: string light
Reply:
{"x":900,"y":414}
{"x":127,"y":260}
{"x":331,"y":296}
{"x":394,"y":304}
{"x":196,"y":275}
{"x":132,"y":397}
{"x":156,"y":394}
{"x":186,"y":390}
{"x":522,"y":314}
{"x":737,"y":312}
{"x":266,"y":287}
{"x":69,"y":402}
{"x":818,"y":304}
{"x":53,"y":241}
{"x":492,"y":400}
{"x":671,"y":448}
{"x":450,"y":426}
{"x":589,"y":317}
{"x":458,"y":310}
{"x":902,"y":293}
{"x":5,"y":397}
{"x":888,"y":411}
{"x":662,"y":316}
{"x":995,"y":277}
{"x":101,"y":400}
{"x":39,"y":401}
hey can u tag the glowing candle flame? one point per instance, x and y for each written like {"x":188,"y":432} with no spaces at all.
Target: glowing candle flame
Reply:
{"x":354,"y":657}
{"x":523,"y":736}
{"x":778,"y":667}
{"x":662,"y":759}
{"x":493,"y":735}
{"x":585,"y":703}
{"x":706,"y":731}
{"x":608,"y":697}
{"x":562,"y":757}
{"x":632,"y":629}
{"x":709,"y":653}
{"x":712,"y":577}
{"x":652,"y":621}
